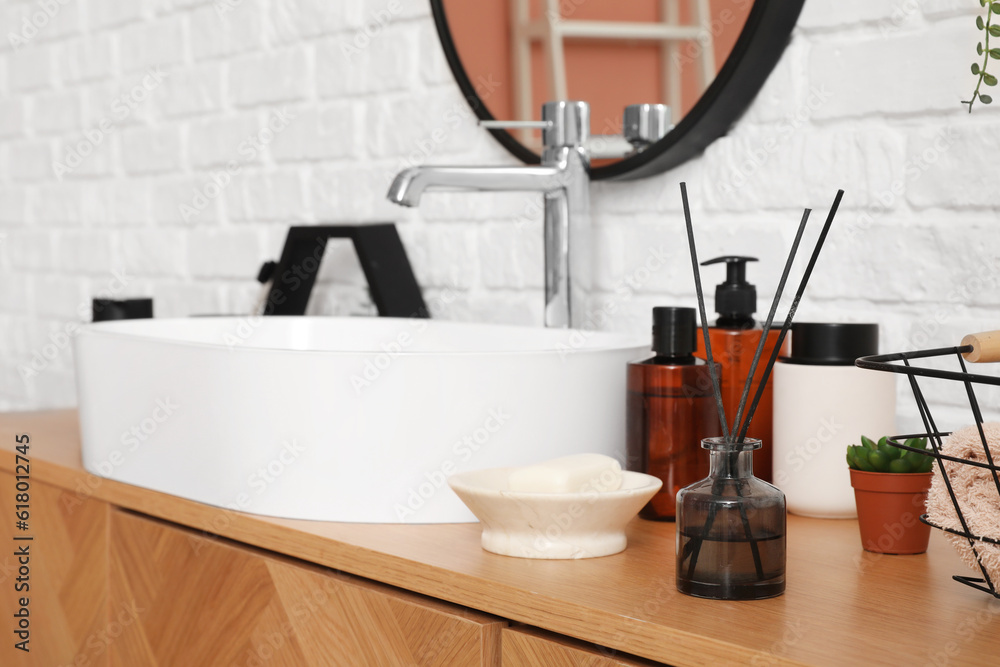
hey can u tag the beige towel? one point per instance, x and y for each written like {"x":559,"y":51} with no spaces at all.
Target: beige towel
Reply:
{"x":976,"y":493}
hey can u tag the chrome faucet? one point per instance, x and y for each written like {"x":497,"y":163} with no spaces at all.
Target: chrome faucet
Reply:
{"x":563,"y":178}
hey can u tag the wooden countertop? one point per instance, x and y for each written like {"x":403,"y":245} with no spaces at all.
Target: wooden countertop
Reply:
{"x":843,"y":606}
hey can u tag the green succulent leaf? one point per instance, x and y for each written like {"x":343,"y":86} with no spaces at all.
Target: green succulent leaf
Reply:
{"x":879,"y":461}
{"x":900,"y":466}
{"x":868,"y":443}
{"x":861,"y":458}
{"x":979,"y":22}
{"x":927,"y":466}
{"x":994,"y":30}
{"x":989,"y":79}
{"x":986,"y":99}
{"x":975,"y":68}
{"x":915,"y":460}
{"x":888,"y":450}
{"x":995,"y":54}
{"x":995,"y":7}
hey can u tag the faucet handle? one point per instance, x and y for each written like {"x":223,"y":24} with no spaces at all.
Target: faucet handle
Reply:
{"x":515,"y":124}
{"x":563,"y":123}
{"x":645,"y":124}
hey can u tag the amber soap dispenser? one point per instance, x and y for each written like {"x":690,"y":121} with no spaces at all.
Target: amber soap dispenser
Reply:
{"x":670,"y":409}
{"x":734,"y":339}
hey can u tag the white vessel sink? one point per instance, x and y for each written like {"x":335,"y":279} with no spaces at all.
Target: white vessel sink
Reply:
{"x":340,"y":419}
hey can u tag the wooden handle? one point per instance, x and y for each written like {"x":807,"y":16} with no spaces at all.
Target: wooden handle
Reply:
{"x":985,"y":347}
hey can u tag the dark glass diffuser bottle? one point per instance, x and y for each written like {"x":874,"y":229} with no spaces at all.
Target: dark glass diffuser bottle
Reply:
{"x":731,"y":529}
{"x":670,"y":408}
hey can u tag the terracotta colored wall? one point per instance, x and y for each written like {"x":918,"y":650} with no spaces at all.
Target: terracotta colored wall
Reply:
{"x":607,"y":73}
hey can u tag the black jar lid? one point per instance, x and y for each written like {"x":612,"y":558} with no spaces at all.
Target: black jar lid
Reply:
{"x":831,"y":343}
{"x":121,"y":309}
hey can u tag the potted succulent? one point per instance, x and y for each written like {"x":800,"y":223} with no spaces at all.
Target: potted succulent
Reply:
{"x":890,"y":489}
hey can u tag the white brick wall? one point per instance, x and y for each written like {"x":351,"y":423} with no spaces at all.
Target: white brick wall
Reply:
{"x":188,"y":176}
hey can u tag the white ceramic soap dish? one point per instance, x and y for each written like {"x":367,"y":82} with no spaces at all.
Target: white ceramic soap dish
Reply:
{"x":587,"y":524}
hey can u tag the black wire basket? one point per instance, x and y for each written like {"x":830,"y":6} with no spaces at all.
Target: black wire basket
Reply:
{"x":888,"y":363}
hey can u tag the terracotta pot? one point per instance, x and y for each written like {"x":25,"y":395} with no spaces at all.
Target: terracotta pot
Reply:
{"x":889,"y":509}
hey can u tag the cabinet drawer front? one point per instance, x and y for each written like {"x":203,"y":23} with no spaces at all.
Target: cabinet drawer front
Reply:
{"x":65,"y":581}
{"x":201,"y":600}
{"x":530,"y":647}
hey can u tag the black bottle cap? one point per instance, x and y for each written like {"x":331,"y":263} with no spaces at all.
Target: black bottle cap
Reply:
{"x":735,"y":299}
{"x":121,"y":309}
{"x":832,"y":344}
{"x":675,"y":331}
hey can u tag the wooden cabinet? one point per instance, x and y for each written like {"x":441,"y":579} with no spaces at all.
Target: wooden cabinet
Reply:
{"x":192,"y":599}
{"x":65,"y":571}
{"x":530,"y":647}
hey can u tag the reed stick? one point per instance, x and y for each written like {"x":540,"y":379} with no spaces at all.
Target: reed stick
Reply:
{"x":767,"y":324}
{"x":712,"y":370}
{"x":791,"y":313}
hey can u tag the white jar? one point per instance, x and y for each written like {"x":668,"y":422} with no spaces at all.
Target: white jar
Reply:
{"x":822,"y":404}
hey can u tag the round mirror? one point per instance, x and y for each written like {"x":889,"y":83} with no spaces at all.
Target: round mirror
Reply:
{"x":704,"y":59}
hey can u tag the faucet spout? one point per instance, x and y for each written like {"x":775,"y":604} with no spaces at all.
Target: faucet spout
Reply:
{"x":563,"y":178}
{"x":410,"y":184}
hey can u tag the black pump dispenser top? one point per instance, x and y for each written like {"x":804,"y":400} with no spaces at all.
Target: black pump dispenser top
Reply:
{"x":735,"y":299}
{"x":674,"y":332}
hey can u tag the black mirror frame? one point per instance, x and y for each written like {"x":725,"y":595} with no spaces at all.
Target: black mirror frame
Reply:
{"x":765,"y":35}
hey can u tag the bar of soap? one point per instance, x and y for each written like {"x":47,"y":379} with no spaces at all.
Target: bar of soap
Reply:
{"x":579,"y":473}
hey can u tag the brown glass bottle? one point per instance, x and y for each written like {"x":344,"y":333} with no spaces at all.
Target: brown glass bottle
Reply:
{"x":734,"y":340}
{"x":670,"y":408}
{"x":733,"y":349}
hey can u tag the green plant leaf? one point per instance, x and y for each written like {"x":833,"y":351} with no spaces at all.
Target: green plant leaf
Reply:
{"x":995,"y":30}
{"x":989,"y":79}
{"x":979,"y":22}
{"x":995,"y":53}
{"x":986,"y":99}
{"x":915,"y":460}
{"x":879,"y":461}
{"x":995,"y":7}
{"x":975,"y":68}
{"x":890,"y":452}
{"x":927,"y":466}
{"x":861,"y":458}
{"x":868,"y":443}
{"x":900,"y":466}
